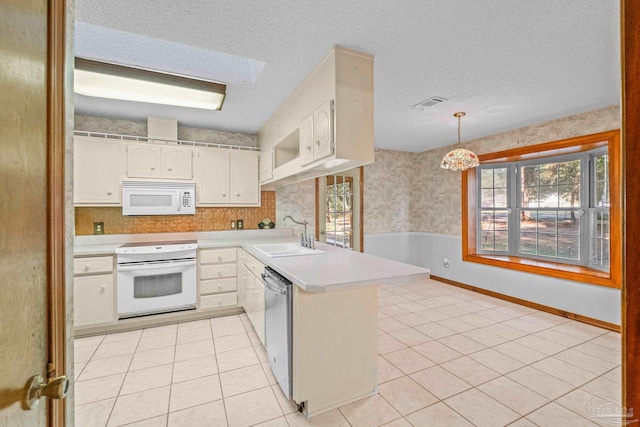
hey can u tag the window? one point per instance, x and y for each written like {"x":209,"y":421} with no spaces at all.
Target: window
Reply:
{"x":550,"y":209}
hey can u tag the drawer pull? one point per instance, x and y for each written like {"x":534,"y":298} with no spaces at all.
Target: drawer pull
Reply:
{"x":219,"y":257}
{"x":87,"y":267}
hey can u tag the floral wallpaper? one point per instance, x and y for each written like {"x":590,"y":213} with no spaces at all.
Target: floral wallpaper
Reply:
{"x":299,"y":201}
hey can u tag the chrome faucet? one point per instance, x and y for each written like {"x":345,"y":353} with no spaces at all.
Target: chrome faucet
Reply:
{"x":307,"y":241}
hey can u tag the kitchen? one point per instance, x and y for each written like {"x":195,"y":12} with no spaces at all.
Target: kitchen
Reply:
{"x":393,"y":229}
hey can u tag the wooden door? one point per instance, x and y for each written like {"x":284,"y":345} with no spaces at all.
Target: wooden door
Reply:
{"x":96,"y":172}
{"x":32,"y":205}
{"x":323,"y":132}
{"x":143,"y":161}
{"x":177,"y":163}
{"x":212,"y":177}
{"x":244,"y":187}
{"x":306,"y":140}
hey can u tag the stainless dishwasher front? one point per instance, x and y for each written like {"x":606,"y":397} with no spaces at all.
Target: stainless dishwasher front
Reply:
{"x":278,"y":296}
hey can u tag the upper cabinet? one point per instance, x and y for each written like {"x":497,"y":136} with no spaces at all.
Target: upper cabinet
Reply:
{"x":227,"y":178}
{"x":326,"y":125}
{"x":96,"y":172}
{"x":149,"y":161}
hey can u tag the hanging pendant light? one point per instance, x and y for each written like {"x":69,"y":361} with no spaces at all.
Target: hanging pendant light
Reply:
{"x":459,"y":159}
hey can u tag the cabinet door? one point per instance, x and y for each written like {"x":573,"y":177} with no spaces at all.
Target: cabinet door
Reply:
{"x":323,"y":132}
{"x":144,"y":161}
{"x":306,"y":140}
{"x":93,"y":299}
{"x":212,"y":177}
{"x":258,"y":323}
{"x":244,"y":186}
{"x":96,"y":172}
{"x":266,"y":165}
{"x":177,"y":163}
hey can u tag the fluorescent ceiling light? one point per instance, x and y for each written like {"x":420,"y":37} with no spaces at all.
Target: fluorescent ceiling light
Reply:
{"x":105,"y":80}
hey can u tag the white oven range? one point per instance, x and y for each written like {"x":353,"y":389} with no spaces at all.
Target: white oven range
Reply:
{"x":156,"y":278}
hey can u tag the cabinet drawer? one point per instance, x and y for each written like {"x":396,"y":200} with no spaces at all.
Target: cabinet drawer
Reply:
{"x":253,"y":265}
{"x":209,"y":302}
{"x":210,"y":256}
{"x":217,"y":286}
{"x":103,"y":264}
{"x":217,"y":271}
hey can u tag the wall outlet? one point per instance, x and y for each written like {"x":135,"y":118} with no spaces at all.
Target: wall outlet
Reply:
{"x":98,"y":228}
{"x":240,"y":224}
{"x":445,"y":262}
{"x":233,"y":225}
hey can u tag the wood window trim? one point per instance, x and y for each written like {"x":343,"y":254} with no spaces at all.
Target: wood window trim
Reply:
{"x":613,"y":278}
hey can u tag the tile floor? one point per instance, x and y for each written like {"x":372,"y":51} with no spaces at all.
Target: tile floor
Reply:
{"x":447,"y":357}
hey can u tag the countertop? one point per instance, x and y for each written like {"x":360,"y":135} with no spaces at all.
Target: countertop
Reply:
{"x":334,"y":270}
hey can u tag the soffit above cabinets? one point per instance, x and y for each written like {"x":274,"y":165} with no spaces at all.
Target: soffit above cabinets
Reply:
{"x":507,"y":64}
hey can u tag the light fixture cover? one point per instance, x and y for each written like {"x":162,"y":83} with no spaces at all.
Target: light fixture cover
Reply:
{"x":459,"y":159}
{"x":106,"y":80}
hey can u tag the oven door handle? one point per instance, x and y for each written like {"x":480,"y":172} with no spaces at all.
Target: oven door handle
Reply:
{"x":272,"y":286}
{"x":156,"y":265}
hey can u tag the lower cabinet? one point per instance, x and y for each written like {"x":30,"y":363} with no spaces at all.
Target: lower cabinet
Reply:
{"x":93,"y":300}
{"x":253,"y":293}
{"x":218,"y":281}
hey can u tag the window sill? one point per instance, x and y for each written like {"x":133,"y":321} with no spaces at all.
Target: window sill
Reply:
{"x":546,"y":268}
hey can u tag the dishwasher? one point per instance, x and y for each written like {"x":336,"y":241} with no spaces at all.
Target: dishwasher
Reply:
{"x":278,"y":296}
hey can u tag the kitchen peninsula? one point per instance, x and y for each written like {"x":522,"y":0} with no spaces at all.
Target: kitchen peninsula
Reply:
{"x":334,"y":304}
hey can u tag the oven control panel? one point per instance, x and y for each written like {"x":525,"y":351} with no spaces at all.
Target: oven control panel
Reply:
{"x":157,"y":248}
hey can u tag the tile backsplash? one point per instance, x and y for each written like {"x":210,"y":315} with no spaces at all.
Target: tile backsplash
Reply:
{"x":205,"y":219}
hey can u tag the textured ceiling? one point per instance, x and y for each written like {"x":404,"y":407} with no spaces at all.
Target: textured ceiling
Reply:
{"x":506,"y":63}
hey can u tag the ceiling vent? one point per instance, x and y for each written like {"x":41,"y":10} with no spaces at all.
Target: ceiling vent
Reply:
{"x":434,"y":100}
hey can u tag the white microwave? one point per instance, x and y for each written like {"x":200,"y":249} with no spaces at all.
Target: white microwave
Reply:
{"x":158,"y":198}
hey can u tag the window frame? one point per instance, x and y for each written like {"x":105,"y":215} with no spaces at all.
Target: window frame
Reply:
{"x":610,"y":141}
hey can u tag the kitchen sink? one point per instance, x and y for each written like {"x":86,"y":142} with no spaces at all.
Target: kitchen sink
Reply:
{"x":286,"y":249}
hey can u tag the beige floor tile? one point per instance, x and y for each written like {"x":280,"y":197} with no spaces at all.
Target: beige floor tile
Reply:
{"x":388,"y":344}
{"x":523,"y":422}
{"x":476,"y":320}
{"x":261,"y":353}
{"x":546,"y":320}
{"x":433,"y":315}
{"x":437,"y":352}
{"x":580,"y":330}
{"x":614,"y":375}
{"x":160,"y":421}
{"x":146,"y":379}
{"x":612,"y":340}
{"x":224,"y":329}
{"x":97,"y":389}
{"x":496,"y":315}
{"x":440,"y":382}
{"x":559,"y":337}
{"x":207,"y":415}
{"x":541,"y":345}
{"x":505,"y":331}
{"x":77,"y":369}
{"x":277,"y":422}
{"x":381,"y":315}
{"x":194,"y":349}
{"x":413,"y":307}
{"x":434,"y":330}
{"x":496,"y":361}
{"x":243,"y":380}
{"x":88,"y":341}
{"x":269,"y":373}
{"x":485,"y":337}
{"x":471,"y":371}
{"x":386,"y":371}
{"x":410,"y":337}
{"x":456,"y":325}
{"x":564,"y":371}
{"x":191,"y":369}
{"x":405,"y":395}
{"x":196,"y":392}
{"x":554,"y":415}
{"x":438,"y":415}
{"x":412,"y":319}
{"x":237,"y":359}
{"x":584,"y":403}
{"x":194,"y":334}
{"x":149,"y":359}
{"x":605,"y":387}
{"x":156,"y":341}
{"x":453,"y":311}
{"x":369,"y":412}
{"x":160,"y":330}
{"x":140,"y":406}
{"x":122,"y":336}
{"x":589,"y":363}
{"x":462,"y":344}
{"x":331,"y":418}
{"x":513,"y":395}
{"x":408,"y":360}
{"x":400,"y":422}
{"x":394,"y":310}
{"x":252,"y":408}
{"x":287,"y":406}
{"x":84,"y":353}
{"x":601,"y":352}
{"x":390,"y":324}
{"x":540,"y":382}
{"x":520,"y":352}
{"x":204,"y":323}
{"x":116,"y":348}
{"x":94,"y":414}
{"x":523,"y":325}
{"x":232,"y":342}
{"x":397,"y":299}
{"x":480,"y":409}
{"x":104,"y":367}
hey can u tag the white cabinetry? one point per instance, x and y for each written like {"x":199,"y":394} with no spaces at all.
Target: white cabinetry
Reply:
{"x":218,"y":282}
{"x":227,"y":178}
{"x":93,"y":291}
{"x":266,"y":165}
{"x":149,"y":161}
{"x":316,"y":134}
{"x":96,"y":171}
{"x":253,"y":292}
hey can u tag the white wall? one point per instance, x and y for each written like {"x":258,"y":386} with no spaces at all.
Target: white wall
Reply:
{"x":429,"y":249}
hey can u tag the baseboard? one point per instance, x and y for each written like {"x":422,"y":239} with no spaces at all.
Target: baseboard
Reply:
{"x":552,"y":310}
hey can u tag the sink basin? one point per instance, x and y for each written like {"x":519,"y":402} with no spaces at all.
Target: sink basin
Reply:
{"x":286,"y":249}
